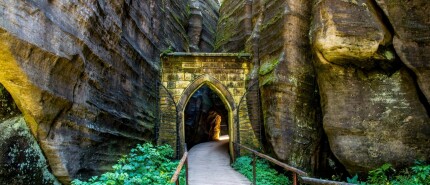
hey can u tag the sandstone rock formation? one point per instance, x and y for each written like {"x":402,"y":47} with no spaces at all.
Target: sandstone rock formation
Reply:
{"x":85,"y":73}
{"x":203,"y":19}
{"x":275,"y":32}
{"x":21,"y":160}
{"x":371,"y":104}
{"x":411,"y":24}
{"x":370,"y":64}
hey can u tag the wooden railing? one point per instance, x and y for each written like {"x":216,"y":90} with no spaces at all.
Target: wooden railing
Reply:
{"x":183,"y":162}
{"x":297,"y":174}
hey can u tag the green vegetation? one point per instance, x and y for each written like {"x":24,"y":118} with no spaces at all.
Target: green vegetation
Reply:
{"x":166,"y":51}
{"x":265,"y":174}
{"x":267,"y":76}
{"x":272,"y":21}
{"x":386,"y":174}
{"x":145,"y":164}
{"x":223,"y":36}
{"x":268,"y":66}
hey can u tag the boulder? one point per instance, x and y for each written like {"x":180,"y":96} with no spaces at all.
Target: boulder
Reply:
{"x":21,"y":159}
{"x":372,"y":112}
{"x":411,"y":24}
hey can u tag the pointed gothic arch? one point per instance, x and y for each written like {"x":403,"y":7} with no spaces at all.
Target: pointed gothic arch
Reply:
{"x":183,"y":74}
{"x":223,"y":93}
{"x":213,"y":84}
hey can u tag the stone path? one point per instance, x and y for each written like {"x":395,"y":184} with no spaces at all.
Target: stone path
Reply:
{"x":209,"y":164}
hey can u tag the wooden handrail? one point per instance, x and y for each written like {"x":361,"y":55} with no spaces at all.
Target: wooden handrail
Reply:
{"x":303,"y":175}
{"x":314,"y":181}
{"x":273,"y":160}
{"x":179,"y":168}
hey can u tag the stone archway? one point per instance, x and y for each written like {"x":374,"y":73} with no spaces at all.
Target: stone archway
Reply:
{"x":184,"y":73}
{"x":225,"y":97}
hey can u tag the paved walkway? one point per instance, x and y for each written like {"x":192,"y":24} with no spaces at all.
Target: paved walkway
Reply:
{"x":209,"y":164}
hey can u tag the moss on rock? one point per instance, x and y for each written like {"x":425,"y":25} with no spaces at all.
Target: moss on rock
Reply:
{"x":7,"y":107}
{"x":268,"y":66}
{"x":21,"y":159}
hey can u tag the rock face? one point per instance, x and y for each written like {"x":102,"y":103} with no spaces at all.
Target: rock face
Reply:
{"x":203,"y":19}
{"x":373,"y":110}
{"x":275,"y":32}
{"x":84,"y":74}
{"x":410,"y":21}
{"x":21,"y":160}
{"x":8,"y":108}
{"x":370,"y":70}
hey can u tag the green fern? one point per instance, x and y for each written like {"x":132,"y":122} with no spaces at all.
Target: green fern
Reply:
{"x":145,"y":164}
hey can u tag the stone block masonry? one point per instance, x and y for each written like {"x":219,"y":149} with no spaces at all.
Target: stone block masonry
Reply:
{"x":184,"y":73}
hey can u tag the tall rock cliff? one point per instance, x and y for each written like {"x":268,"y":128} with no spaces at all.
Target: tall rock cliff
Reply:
{"x":276,"y":33}
{"x":84,"y":73}
{"x":365,"y":85}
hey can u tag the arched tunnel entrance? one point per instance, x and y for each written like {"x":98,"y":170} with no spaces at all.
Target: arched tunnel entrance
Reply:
{"x":206,"y":117}
{"x":185,"y":116}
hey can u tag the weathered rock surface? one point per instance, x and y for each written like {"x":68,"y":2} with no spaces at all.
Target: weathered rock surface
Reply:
{"x":231,"y":34}
{"x":371,"y":107}
{"x":373,"y":110}
{"x":8,"y":108}
{"x":277,"y":35}
{"x":85,"y":74}
{"x":352,"y":33}
{"x":21,"y":159}
{"x":410,"y":21}
{"x":203,"y":19}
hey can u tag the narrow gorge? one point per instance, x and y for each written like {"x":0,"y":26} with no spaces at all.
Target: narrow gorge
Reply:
{"x":335,"y":87}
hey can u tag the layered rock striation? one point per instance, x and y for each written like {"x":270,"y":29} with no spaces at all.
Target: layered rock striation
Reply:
{"x":374,"y":111}
{"x":368,"y":75}
{"x":276,"y":33}
{"x":84,"y":74}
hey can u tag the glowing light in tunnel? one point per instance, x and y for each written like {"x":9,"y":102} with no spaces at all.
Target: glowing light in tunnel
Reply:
{"x":224,"y":137}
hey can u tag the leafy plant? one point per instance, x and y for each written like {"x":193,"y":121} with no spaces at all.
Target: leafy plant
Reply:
{"x":265,"y":174}
{"x":166,"y":51}
{"x":419,"y":174}
{"x":352,"y":180}
{"x":145,"y":164}
{"x":379,"y":175}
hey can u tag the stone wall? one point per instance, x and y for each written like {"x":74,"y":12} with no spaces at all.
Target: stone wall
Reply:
{"x":183,"y":74}
{"x":85,"y":74}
